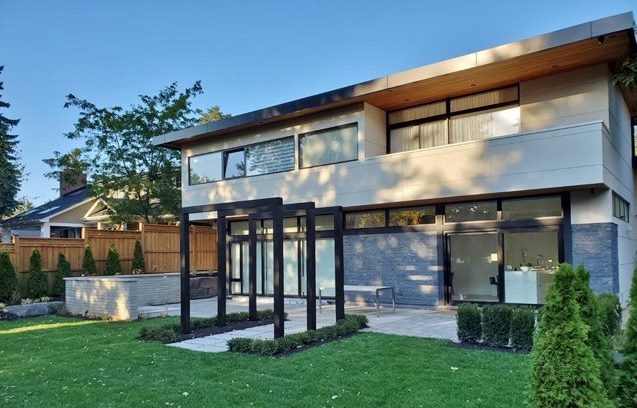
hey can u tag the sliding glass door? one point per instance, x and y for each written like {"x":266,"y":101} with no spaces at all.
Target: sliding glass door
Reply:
{"x":473,"y":267}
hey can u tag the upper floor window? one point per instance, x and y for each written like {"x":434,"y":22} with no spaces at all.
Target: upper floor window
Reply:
{"x":259,"y":158}
{"x":620,"y":208}
{"x":468,"y":118}
{"x":333,"y":145}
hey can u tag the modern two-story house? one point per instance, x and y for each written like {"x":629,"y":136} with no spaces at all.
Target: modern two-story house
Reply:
{"x":469,"y":179}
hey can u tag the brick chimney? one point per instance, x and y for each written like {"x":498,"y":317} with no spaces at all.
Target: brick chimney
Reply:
{"x":67,"y":186}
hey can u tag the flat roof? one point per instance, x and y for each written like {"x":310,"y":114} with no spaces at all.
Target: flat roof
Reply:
{"x":580,"y":45}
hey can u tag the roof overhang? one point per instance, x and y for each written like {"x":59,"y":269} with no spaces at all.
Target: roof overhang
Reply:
{"x":606,"y":40}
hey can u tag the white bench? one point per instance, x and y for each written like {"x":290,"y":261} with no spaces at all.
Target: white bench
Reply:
{"x":363,"y":288}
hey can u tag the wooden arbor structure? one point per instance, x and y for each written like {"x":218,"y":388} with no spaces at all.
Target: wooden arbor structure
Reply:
{"x":256,"y":210}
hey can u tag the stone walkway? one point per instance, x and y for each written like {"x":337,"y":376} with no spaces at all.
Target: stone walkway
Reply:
{"x":416,"y":322}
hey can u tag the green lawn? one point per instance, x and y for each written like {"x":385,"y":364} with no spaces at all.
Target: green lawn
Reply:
{"x":53,"y":362}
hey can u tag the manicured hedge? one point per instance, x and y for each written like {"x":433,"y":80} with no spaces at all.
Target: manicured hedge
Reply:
{"x":349,"y":325}
{"x":522,"y":328}
{"x":496,"y":325}
{"x":469,"y":323}
{"x":170,"y":332}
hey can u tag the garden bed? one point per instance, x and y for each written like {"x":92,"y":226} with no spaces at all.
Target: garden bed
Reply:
{"x":203,"y":327}
{"x":301,"y":341}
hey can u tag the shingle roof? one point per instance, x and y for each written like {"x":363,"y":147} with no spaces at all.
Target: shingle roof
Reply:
{"x":50,"y":208}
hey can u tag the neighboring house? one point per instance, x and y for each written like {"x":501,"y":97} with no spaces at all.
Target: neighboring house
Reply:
{"x":63,"y":217}
{"x":469,"y":179}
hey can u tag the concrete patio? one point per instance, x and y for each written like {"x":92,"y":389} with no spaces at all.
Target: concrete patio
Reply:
{"x":415,"y":322}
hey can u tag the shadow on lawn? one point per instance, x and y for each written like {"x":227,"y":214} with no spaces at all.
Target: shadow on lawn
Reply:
{"x":47,"y":326}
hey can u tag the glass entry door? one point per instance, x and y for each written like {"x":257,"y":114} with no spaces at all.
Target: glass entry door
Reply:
{"x":473,"y":267}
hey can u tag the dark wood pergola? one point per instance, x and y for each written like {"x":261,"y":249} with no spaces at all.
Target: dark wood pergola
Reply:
{"x":256,"y":210}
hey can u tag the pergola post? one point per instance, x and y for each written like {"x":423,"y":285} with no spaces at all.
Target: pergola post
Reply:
{"x":184,"y":252}
{"x":252,"y":267}
{"x":221,"y":268}
{"x":339,"y":278}
{"x":279,"y":312}
{"x":310,"y":244}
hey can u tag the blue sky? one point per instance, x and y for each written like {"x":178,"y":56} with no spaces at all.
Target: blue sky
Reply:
{"x":248,"y":54}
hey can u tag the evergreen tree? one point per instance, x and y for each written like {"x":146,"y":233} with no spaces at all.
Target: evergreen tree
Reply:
{"x":8,"y":279}
{"x":63,"y":271}
{"x":597,"y":340}
{"x":37,"y":286}
{"x":565,"y":372}
{"x":139,"y":265}
{"x":88,"y":263}
{"x":10,"y":170}
{"x":113,"y":264}
{"x":627,"y":390}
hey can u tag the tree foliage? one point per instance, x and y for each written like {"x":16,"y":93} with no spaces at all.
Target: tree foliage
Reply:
{"x":139,"y":265}
{"x":8,"y":279}
{"x":565,"y":371}
{"x":63,"y":271}
{"x":88,"y":262}
{"x":113,"y":264}
{"x":627,"y":390}
{"x":137,"y":179}
{"x":213,"y":114}
{"x":37,"y":285}
{"x":10,"y":169}
{"x":627,"y":73}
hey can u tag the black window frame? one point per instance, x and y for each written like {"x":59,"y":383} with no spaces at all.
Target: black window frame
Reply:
{"x":620,"y":202}
{"x":226,"y":155}
{"x":447,"y":115}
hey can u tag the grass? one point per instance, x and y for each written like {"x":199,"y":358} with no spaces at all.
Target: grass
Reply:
{"x":54,"y":362}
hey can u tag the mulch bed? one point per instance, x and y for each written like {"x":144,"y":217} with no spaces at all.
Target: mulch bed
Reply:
{"x":209,"y":331}
{"x":484,"y":347}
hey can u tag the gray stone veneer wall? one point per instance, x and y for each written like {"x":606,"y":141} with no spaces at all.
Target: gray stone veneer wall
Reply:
{"x":595,"y":246}
{"x":407,"y":260}
{"x":118,"y":297}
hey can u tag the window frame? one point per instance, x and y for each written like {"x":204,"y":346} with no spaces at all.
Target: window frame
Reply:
{"x":621,"y":203}
{"x":448,"y":115}
{"x":225,"y":156}
{"x":313,"y":132}
{"x":204,"y":154}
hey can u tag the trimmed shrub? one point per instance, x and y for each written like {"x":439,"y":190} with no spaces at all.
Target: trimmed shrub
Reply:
{"x":88,"y":263}
{"x":565,"y":372}
{"x":597,"y":340}
{"x":627,"y":387}
{"x":496,"y":325}
{"x":349,"y":325}
{"x":522,"y":328}
{"x":113,"y":264}
{"x":8,"y":280}
{"x":63,"y":271}
{"x":610,"y":313}
{"x":469,"y":325}
{"x":139,"y":265}
{"x":37,"y":285}
{"x":164,"y":334}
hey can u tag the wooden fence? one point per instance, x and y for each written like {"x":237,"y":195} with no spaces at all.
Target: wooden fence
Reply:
{"x":159,"y":242}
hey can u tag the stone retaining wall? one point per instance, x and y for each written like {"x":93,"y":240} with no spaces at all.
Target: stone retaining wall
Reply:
{"x":118,"y":297}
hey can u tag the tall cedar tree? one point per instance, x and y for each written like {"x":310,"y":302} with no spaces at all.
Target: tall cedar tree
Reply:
{"x":88,"y":263}
{"x":113,"y":264}
{"x":627,"y":390}
{"x":37,"y":285}
{"x":10,"y":169}
{"x":137,"y":179}
{"x":597,"y":339}
{"x":8,"y":279}
{"x":139,"y":265}
{"x":565,"y":372}
{"x":63,"y":271}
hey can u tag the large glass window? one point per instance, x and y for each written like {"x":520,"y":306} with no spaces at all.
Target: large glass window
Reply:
{"x":530,"y":259}
{"x":474,"y":117}
{"x":472,"y":211}
{"x":204,"y":168}
{"x":327,"y":146}
{"x":620,"y":208}
{"x":534,"y":207}
{"x":473,"y":267}
{"x":365,"y":219}
{"x":412,"y":216}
